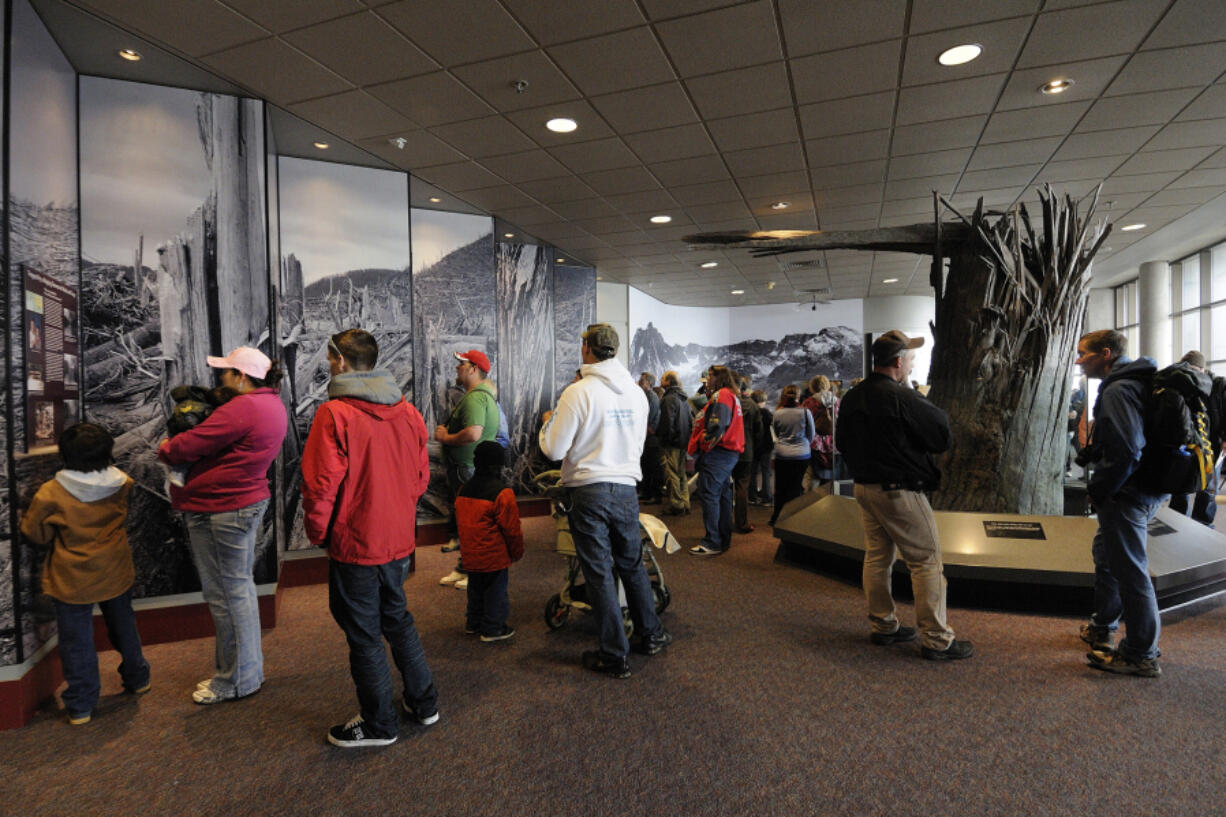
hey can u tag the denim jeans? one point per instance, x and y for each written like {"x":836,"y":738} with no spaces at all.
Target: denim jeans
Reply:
{"x":367,"y":601}
{"x":715,"y":487}
{"x":79,"y":657}
{"x":223,"y":548}
{"x":604,"y":522}
{"x":1122,"y":587}
{"x":760,"y":480}
{"x":488,"y":605}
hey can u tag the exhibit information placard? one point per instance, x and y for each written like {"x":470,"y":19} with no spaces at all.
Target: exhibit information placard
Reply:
{"x":997,"y":529}
{"x":52,"y":357}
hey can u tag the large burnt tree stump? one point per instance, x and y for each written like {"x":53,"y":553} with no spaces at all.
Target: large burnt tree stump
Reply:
{"x":1009,"y":311}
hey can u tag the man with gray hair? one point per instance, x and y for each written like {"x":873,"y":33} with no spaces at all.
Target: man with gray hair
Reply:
{"x":597,"y":430}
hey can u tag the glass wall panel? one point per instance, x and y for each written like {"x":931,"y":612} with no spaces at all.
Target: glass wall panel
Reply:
{"x":1189,"y":283}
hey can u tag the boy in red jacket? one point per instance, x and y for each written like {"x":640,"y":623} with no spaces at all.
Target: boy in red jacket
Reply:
{"x":363,"y":469}
{"x":490,"y":539}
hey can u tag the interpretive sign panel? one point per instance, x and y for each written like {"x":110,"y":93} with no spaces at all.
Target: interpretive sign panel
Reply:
{"x":52,"y":356}
{"x":1013,"y":530}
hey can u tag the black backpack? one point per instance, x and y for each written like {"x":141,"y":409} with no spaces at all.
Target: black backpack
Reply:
{"x":1178,"y":456}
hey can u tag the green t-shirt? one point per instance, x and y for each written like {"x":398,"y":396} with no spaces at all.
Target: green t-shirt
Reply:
{"x":477,"y":407}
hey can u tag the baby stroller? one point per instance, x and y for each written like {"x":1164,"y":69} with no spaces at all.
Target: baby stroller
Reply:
{"x":573,"y":596}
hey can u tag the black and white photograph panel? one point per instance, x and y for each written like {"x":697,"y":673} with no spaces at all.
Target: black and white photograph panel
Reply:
{"x":166,"y":282}
{"x":574,"y":309}
{"x":344,"y":235}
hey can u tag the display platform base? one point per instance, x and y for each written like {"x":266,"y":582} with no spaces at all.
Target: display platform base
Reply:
{"x":1010,"y":561}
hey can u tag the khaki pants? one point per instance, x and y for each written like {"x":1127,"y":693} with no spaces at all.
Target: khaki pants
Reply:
{"x":901,"y":523}
{"x":676,"y":482}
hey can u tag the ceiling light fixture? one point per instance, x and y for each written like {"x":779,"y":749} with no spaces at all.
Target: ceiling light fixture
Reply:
{"x":435,"y":200}
{"x":781,"y":205}
{"x":508,"y":235}
{"x":960,"y":54}
{"x":130,"y":55}
{"x":890,"y":281}
{"x":770,"y":284}
{"x":322,"y":145}
{"x":560,"y":260}
{"x":561,"y":125}
{"x":661,"y":219}
{"x":709,"y":264}
{"x":738,"y":292}
{"x":1128,"y":228}
{"x":1057,"y":86}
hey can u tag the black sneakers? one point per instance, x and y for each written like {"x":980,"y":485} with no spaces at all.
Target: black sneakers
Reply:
{"x":651,"y":645}
{"x":899,"y":636}
{"x":613,"y":667}
{"x":424,"y":720}
{"x":356,"y":734}
{"x":956,"y":650}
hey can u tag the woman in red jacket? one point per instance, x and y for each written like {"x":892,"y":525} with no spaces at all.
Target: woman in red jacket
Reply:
{"x":717,"y":439}
{"x":223,"y":501}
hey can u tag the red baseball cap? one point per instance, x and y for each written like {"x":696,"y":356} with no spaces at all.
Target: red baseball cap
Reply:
{"x":476,"y":358}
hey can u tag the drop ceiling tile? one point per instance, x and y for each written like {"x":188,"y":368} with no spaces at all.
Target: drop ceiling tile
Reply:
{"x":948,"y":100}
{"x":1090,"y":77}
{"x":584,"y":208}
{"x":497,"y":198}
{"x":1123,"y":141}
{"x":919,"y":209}
{"x":459,"y":177}
{"x":1091,"y":31}
{"x":774,"y":185}
{"x":559,"y":232}
{"x":1033,"y":123}
{"x":421,"y":149}
{"x":532,"y":122}
{"x":853,"y":194}
{"x":761,"y":161}
{"x":529,"y":215}
{"x":486,"y":30}
{"x":1157,"y":161}
{"x":1080,"y":169}
{"x":432,"y":99}
{"x":487,"y":136}
{"x":1140,"y":183}
{"x":690,"y":171}
{"x":1192,"y":134}
{"x":921,"y":186}
{"x":1185,"y":195}
{"x":363,"y":49}
{"x":734,"y":37}
{"x":663,"y":145}
{"x":998,"y":177}
{"x":851,"y":224}
{"x":1154,"y":108}
{"x":494,"y":81}
{"x":1171,"y":68}
{"x":1208,"y":177}
{"x":640,"y":109}
{"x":944,"y":135}
{"x":797,"y":203}
{"x":929,"y":164}
{"x":526,"y":166}
{"x":622,"y":180}
{"x":853,"y":147}
{"x":588,"y":157}
{"x":276,"y":71}
{"x":279,"y":16}
{"x":608,"y":224}
{"x":194,"y":27}
{"x":626,"y":239}
{"x":1000,"y":40}
{"x":614,"y":62}
{"x":850,"y":115}
{"x":552,"y":22}
{"x":1215,"y":160}
{"x":811,"y":26}
{"x":754,"y":130}
{"x":352,"y":114}
{"x":930,"y":15}
{"x":848,"y":174}
{"x":1211,"y":104}
{"x":706,"y":193}
{"x":1156,"y":216}
{"x":552,"y":191}
{"x":851,"y":72}
{"x":786,"y":221}
{"x":647,"y":201}
{"x":1189,"y":21}
{"x":707,"y":213}
{"x":747,"y":90}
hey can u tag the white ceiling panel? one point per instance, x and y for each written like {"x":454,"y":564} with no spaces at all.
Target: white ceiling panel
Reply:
{"x":1033,"y":123}
{"x":811,"y":26}
{"x":734,"y":37}
{"x":640,"y":109}
{"x":852,"y":72}
{"x":613,"y":62}
{"x":1080,"y":33}
{"x":850,"y":115}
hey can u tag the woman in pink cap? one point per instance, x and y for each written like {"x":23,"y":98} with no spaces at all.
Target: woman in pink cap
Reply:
{"x":223,"y":501}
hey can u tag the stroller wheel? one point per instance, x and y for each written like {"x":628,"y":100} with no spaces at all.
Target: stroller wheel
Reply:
{"x":556,"y":613}
{"x":627,"y":622}
{"x":661,"y":596}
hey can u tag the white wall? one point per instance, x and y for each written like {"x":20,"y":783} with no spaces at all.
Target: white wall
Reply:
{"x":910,"y":314}
{"x":613,"y":307}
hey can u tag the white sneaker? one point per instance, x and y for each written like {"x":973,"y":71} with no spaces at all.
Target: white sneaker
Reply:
{"x":453,"y":544}
{"x":462,"y":584}
{"x":453,"y":577}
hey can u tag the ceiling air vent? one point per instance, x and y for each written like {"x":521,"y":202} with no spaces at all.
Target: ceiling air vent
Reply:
{"x":795,"y":266}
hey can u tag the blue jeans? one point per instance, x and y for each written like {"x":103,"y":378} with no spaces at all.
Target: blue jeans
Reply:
{"x":604,"y":523}
{"x":223,"y":548}
{"x":367,"y":601}
{"x":1122,"y":587}
{"x":488,"y":605}
{"x":760,"y":479}
{"x":714,"y":486}
{"x":79,"y":657}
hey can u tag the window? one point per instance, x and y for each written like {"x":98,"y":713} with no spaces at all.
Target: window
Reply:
{"x":1198,"y":294}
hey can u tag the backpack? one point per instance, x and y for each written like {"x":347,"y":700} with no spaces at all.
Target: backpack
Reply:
{"x":503,"y":437}
{"x":1178,"y":457}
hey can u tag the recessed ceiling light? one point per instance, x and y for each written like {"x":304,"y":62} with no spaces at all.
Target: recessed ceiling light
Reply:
{"x":960,"y":54}
{"x":890,"y":281}
{"x":561,"y":125}
{"x":598,"y":278}
{"x":709,"y":264}
{"x":1128,"y":228}
{"x":1057,"y":86}
{"x":770,"y":284}
{"x":738,"y":292}
{"x":435,"y":199}
{"x":781,"y":205}
{"x":129,"y":54}
{"x":322,"y":145}
{"x":661,"y":219}
{"x":560,"y":260}
{"x":508,"y":235}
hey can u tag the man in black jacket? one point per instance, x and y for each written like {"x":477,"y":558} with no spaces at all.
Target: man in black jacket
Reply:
{"x":1204,"y":504}
{"x":887,"y":433}
{"x":743,"y":470}
{"x":673,"y":432}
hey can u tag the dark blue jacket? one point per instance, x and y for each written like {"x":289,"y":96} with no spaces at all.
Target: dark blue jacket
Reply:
{"x":1119,"y":426}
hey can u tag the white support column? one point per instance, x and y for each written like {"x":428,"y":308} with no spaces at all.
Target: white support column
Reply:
{"x":1154,"y":312}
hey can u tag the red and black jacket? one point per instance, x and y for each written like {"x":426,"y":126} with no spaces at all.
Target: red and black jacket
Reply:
{"x":488,"y":521}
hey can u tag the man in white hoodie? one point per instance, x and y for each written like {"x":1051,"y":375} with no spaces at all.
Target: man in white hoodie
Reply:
{"x":597,"y":430}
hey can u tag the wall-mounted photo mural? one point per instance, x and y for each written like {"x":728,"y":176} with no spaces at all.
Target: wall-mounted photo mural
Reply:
{"x":574,"y":297}
{"x":174,"y":263}
{"x":345,"y":263}
{"x":772,"y":346}
{"x":455,"y":302}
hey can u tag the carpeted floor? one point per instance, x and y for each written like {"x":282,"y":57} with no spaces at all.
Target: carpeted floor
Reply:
{"x":770,"y":701}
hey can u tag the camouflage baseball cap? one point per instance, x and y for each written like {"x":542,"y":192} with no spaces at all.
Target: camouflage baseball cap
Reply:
{"x":601,"y":338}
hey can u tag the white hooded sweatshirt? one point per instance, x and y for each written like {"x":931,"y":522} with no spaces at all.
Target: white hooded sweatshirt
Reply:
{"x":598,"y":427}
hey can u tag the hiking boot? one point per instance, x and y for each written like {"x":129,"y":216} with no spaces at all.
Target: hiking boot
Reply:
{"x":653,"y":644}
{"x":612,"y":667}
{"x":1099,"y":638}
{"x":899,"y":636}
{"x":453,"y":577}
{"x":955,"y":650}
{"x":424,"y":720}
{"x":1112,"y":661}
{"x":356,"y":734}
{"x":506,"y":633}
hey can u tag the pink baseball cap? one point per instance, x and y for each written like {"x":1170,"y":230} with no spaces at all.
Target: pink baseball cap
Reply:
{"x":251,"y":362}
